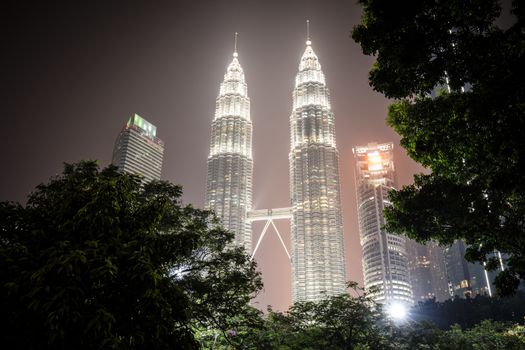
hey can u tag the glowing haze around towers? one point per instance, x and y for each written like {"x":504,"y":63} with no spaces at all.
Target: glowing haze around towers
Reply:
{"x":230,"y":164}
{"x":318,"y":264}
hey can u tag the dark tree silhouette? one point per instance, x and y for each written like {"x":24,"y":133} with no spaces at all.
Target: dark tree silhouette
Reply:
{"x":459,"y":83}
{"x":97,"y":260}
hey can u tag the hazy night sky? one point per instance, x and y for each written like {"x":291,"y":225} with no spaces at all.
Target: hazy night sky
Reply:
{"x":72,"y":74}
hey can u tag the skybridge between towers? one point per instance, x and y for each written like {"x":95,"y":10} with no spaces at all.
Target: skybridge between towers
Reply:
{"x":316,"y":223}
{"x":269,"y":215}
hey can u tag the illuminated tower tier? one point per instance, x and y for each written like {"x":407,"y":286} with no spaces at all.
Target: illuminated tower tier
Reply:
{"x":385,"y":263}
{"x":318,"y":267}
{"x":230,"y":165}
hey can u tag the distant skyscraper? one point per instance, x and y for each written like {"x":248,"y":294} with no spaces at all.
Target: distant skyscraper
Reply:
{"x":427,"y":271}
{"x":385,"y":264}
{"x":230,"y":164}
{"x":317,"y":230}
{"x":464,"y":278}
{"x":419,"y":267}
{"x":439,"y":271}
{"x":138,"y":150}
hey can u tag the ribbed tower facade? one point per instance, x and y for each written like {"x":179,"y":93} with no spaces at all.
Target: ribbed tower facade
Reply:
{"x":385,"y":262}
{"x":230,"y":164}
{"x":318,"y":266}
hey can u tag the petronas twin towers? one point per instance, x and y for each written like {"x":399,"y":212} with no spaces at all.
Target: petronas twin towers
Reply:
{"x":230,"y":164}
{"x":317,"y":251}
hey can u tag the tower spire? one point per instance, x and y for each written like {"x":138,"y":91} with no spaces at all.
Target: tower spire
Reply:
{"x":318,"y":265}
{"x":230,"y":162}
{"x":235,"y":54}
{"x":308,"y":42}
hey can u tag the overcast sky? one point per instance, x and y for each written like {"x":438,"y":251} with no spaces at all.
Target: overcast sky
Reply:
{"x":73,"y":74}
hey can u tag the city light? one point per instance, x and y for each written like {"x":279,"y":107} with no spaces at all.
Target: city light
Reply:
{"x":375,"y":162}
{"x":397,"y":311}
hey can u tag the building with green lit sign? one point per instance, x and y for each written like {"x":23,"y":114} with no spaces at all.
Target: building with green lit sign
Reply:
{"x":138,"y":150}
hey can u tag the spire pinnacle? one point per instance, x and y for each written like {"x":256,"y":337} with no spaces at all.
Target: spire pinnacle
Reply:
{"x":308,"y":42}
{"x":235,"y":54}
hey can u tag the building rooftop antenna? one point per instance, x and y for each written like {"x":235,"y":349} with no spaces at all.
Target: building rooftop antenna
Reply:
{"x":235,"y":54}
{"x":308,"y":41}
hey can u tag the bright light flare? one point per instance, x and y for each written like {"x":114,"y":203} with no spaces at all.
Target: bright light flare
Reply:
{"x":397,"y":311}
{"x":375,"y":161}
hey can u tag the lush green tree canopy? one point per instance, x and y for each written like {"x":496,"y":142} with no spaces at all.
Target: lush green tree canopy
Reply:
{"x":337,"y":322}
{"x":357,"y":323}
{"x":467,"y":312}
{"x":96,"y":260}
{"x":486,"y":335}
{"x":459,"y":83}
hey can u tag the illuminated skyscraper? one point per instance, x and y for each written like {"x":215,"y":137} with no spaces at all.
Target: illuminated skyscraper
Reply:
{"x":230,"y":165}
{"x":385,"y":264}
{"x":138,"y":150}
{"x":317,"y":230}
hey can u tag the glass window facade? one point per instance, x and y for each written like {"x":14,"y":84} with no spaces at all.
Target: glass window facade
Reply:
{"x":385,"y":262}
{"x":318,"y":267}
{"x":230,"y":164}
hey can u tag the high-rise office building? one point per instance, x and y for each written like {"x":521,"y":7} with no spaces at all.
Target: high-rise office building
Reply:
{"x":465,"y":279}
{"x":443,"y":272}
{"x":385,"y":263}
{"x":138,"y":150}
{"x":230,"y":164}
{"x":427,"y":268}
{"x":439,"y":271}
{"x":318,"y":267}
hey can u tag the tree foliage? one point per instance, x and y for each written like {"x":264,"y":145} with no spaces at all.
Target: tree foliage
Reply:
{"x":97,"y":260}
{"x":337,"y":322}
{"x":357,"y":323}
{"x":467,"y":312}
{"x":459,"y":83}
{"x":486,"y":335}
